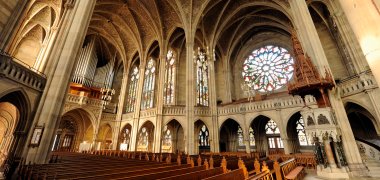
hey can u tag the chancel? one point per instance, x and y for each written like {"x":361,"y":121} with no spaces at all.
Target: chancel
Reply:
{"x":193,"y":89}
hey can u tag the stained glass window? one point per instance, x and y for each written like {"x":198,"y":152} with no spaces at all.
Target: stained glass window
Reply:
{"x":302,"y":138}
{"x":203,"y":136}
{"x":240,"y":136}
{"x":251,"y":137}
{"x":149,"y":82}
{"x":170,"y":69}
{"x":133,"y":81}
{"x":167,"y":137}
{"x":271,"y":128}
{"x":143,"y":137}
{"x":268,"y":68}
{"x":126,"y":134}
{"x":202,"y":78}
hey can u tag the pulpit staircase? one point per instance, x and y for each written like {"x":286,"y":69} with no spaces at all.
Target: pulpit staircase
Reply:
{"x":370,"y":153}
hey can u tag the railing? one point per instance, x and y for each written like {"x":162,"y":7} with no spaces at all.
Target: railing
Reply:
{"x":127,"y":116}
{"x":83,"y":100}
{"x":295,"y":101}
{"x":357,"y":84}
{"x":148,"y":113}
{"x":108,"y":117}
{"x":20,"y":72}
{"x":202,"y":111}
{"x":174,"y":110}
{"x":367,"y":150}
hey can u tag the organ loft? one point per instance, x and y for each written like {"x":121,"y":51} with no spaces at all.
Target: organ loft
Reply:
{"x":194,"y":89}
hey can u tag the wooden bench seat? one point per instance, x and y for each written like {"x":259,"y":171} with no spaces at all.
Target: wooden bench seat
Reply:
{"x":196,"y":175}
{"x":294,"y":173}
{"x":237,"y":174}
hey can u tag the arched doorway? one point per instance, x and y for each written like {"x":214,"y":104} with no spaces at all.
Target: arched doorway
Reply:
{"x":201,"y":137}
{"x":15,"y":117}
{"x":75,"y":132}
{"x":8,"y":122}
{"x":125,"y":138}
{"x":105,"y":137}
{"x":231,"y":138}
{"x":363,"y":124}
{"x":267,"y":135}
{"x":173,"y":137}
{"x":145,"y":137}
{"x":297,"y":138}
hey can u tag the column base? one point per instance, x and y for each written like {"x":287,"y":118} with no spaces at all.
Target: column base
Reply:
{"x":332,"y":172}
{"x":358,"y":170}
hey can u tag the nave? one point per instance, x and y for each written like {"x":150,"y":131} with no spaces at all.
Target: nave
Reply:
{"x":108,"y":164}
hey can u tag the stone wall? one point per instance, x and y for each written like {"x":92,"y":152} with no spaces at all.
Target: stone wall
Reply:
{"x":6,"y":9}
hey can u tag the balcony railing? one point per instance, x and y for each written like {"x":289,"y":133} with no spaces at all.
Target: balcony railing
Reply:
{"x":357,"y":84}
{"x":20,"y":72}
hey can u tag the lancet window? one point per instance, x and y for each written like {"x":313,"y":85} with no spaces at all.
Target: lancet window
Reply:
{"x":202,"y":79}
{"x":170,"y":72}
{"x":167,"y":137}
{"x":149,"y":83}
{"x":251,"y":137}
{"x":203,"y":136}
{"x":143,"y":138}
{"x":132,"y":92}
{"x":240,"y":136}
{"x":302,"y":138}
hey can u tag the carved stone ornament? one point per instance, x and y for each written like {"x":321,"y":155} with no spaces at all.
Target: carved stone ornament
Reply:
{"x":322,"y":119}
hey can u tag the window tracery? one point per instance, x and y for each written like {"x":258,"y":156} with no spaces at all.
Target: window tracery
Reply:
{"x":240,"y":136}
{"x":170,"y":72}
{"x":149,"y":83}
{"x":203,"y":136}
{"x":251,"y":137}
{"x":134,"y":78}
{"x":271,"y":128}
{"x":300,"y":127}
{"x":268,"y":68}
{"x":202,"y":79}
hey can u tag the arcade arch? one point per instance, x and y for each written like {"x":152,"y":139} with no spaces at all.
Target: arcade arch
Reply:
{"x":145,"y":137}
{"x":125,"y":138}
{"x":173,"y":137}
{"x":201,"y":137}
{"x":75,"y":131}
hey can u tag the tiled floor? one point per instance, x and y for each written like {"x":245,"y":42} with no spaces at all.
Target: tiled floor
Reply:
{"x":313,"y":176}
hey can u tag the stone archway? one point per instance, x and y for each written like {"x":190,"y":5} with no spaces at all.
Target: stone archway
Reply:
{"x":201,"y":137}
{"x":297,"y":138}
{"x":231,"y":137}
{"x":267,"y":135}
{"x":105,"y":137}
{"x":75,"y":132}
{"x":363,"y":124}
{"x":16,"y":116}
{"x":173,"y":137}
{"x":145,"y":137}
{"x":125,"y":138}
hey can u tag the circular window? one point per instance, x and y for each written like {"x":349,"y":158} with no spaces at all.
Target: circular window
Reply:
{"x":268,"y":68}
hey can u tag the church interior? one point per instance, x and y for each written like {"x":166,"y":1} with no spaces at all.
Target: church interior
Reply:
{"x":193,"y":89}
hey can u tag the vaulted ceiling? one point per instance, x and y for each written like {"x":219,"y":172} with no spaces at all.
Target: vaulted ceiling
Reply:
{"x":132,"y":26}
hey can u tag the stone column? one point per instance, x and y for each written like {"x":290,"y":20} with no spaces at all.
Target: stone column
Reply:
{"x":190,"y":93}
{"x":160,"y":99}
{"x":329,"y":152}
{"x":61,"y":61}
{"x":214,"y":145}
{"x":136,"y":114}
{"x":121,"y":104}
{"x":364,"y":18}
{"x":14,"y":22}
{"x":312,"y":45}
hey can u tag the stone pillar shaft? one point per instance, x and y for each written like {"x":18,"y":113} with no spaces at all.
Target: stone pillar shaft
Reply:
{"x":62,"y":59}
{"x":190,"y":99}
{"x":312,"y":45}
